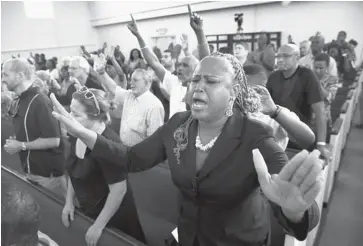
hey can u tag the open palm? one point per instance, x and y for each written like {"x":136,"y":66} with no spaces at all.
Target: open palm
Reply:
{"x":71,"y":125}
{"x":296,"y":186}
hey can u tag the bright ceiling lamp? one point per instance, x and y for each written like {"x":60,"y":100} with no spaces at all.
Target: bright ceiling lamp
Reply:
{"x":39,"y":9}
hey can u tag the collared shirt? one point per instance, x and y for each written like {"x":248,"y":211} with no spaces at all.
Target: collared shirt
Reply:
{"x":141,"y":116}
{"x":308,"y":61}
{"x":330,"y":84}
{"x":34,"y":120}
{"x":176,"y":91}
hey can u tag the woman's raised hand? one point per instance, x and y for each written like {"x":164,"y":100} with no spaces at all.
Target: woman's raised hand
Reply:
{"x":196,"y":22}
{"x":268,"y":105}
{"x":295,"y":188}
{"x":132,"y":26}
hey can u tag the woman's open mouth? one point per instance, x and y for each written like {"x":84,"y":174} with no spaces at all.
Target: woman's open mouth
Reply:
{"x":198,"y":104}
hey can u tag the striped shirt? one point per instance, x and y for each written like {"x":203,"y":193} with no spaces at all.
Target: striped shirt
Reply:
{"x":141,"y":116}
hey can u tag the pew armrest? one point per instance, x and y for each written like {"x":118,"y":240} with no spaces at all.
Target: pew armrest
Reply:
{"x":350,"y":94}
{"x":354,"y":85}
{"x":336,"y":126}
{"x":344,"y":108}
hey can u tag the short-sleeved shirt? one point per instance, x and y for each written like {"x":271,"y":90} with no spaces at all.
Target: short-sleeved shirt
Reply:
{"x":308,"y":61}
{"x":176,"y":91}
{"x":155,"y":88}
{"x":90,"y":178}
{"x":297,"y":93}
{"x":331,"y":85}
{"x":34,"y":120}
{"x":141,"y":116}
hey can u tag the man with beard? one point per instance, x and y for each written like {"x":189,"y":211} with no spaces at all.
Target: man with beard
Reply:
{"x":37,"y":138}
{"x":175,"y":86}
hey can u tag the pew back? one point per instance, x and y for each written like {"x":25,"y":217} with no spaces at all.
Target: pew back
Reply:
{"x":51,"y":223}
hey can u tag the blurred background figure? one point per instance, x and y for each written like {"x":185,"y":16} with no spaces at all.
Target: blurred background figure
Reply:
{"x":20,"y":219}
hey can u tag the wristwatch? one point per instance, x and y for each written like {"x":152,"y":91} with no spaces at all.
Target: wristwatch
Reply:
{"x":23,"y":147}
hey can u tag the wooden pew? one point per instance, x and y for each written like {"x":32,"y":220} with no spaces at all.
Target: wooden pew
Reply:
{"x":51,"y":223}
{"x":335,"y":139}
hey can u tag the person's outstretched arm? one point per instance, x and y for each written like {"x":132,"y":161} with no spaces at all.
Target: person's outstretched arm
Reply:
{"x":142,"y":156}
{"x":196,"y":22}
{"x":150,"y":57}
{"x":278,"y":177}
{"x":295,"y":128}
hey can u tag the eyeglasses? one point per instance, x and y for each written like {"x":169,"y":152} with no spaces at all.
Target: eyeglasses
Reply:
{"x":90,"y":95}
{"x":284,"y":56}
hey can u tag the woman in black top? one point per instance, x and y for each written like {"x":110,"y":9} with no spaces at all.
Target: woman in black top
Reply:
{"x":102,"y":190}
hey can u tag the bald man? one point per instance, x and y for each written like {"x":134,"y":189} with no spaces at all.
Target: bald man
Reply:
{"x":305,"y":48}
{"x":37,"y":137}
{"x":317,"y":47}
{"x":297,"y":88}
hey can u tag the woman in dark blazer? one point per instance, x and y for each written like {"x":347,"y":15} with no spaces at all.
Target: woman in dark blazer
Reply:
{"x":214,"y":152}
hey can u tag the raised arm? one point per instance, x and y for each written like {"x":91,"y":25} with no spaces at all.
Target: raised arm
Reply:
{"x":150,"y":57}
{"x":196,"y":22}
{"x":117,"y":66}
{"x":142,"y":156}
{"x":296,"y":129}
{"x":115,"y":91}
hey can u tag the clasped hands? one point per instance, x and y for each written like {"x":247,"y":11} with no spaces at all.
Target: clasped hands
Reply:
{"x":297,"y":185}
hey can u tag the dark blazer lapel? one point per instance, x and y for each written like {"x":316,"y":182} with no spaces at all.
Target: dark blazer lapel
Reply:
{"x":188,"y":156}
{"x":226,"y":143}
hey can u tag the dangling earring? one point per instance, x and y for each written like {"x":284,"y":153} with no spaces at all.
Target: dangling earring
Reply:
{"x":229,"y":111}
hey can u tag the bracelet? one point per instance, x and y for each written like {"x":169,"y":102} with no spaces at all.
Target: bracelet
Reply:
{"x":276,"y":113}
{"x":144,"y":47}
{"x":321,"y":143}
{"x":206,"y":43}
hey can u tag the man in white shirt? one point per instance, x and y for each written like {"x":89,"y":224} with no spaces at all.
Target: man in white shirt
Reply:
{"x":317,"y":46}
{"x":174,"y":87}
{"x":142,"y":111}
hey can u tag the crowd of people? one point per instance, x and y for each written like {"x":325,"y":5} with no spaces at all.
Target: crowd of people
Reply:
{"x":220,"y":121}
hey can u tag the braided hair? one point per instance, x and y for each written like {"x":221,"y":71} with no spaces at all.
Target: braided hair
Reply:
{"x":247,"y":101}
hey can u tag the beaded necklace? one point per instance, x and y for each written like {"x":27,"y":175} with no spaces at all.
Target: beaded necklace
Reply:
{"x":206,"y":147}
